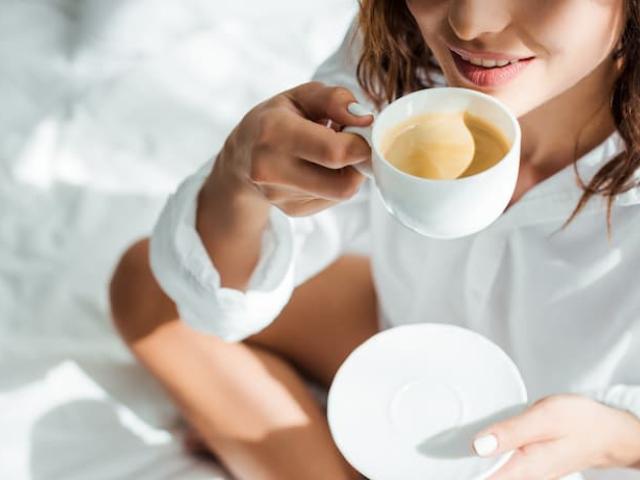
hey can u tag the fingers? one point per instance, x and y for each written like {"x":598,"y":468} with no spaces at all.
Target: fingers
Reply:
{"x":324,"y":146}
{"x":533,"y":425}
{"x":300,"y":178}
{"x":308,"y":159}
{"x":297,"y":156}
{"x":539,"y":461}
{"x":305,"y":208}
{"x":294,"y":203}
{"x":336,"y":185}
{"x":317,"y":101}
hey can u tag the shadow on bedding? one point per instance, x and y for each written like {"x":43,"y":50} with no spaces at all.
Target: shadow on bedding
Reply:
{"x":92,"y":439}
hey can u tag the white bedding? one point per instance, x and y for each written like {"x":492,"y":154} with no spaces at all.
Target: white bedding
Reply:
{"x":104,"y":106}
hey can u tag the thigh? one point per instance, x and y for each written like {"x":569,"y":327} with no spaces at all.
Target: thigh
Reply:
{"x":326,"y":318}
{"x":249,"y":405}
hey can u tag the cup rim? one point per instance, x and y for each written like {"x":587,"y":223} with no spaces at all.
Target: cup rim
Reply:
{"x":466,"y":91}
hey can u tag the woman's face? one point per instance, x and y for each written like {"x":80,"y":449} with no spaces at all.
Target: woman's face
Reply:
{"x":554,"y":43}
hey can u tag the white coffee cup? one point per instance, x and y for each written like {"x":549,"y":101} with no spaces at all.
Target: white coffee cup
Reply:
{"x":444,"y":208}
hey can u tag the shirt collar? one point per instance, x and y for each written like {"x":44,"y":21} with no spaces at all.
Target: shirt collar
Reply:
{"x":554,"y":199}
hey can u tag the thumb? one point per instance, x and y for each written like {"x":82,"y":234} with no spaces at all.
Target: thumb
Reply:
{"x":531,"y":426}
{"x":316,"y":101}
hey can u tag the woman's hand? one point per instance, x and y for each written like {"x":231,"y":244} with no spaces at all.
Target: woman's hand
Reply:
{"x":560,"y":435}
{"x":282,"y":153}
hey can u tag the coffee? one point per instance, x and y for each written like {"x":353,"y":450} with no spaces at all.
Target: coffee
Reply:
{"x":436,"y":145}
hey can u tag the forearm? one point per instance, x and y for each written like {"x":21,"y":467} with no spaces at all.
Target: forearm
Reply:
{"x":187,"y":264}
{"x":231,"y":219}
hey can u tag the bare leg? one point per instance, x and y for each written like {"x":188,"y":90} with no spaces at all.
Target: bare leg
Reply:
{"x":328,"y":316}
{"x":249,"y":405}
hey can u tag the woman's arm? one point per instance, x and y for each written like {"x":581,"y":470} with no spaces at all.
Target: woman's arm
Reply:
{"x":228,"y":262}
{"x":277,"y":156}
{"x":224,"y":248}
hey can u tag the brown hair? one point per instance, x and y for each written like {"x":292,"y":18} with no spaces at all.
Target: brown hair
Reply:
{"x":395,"y":61}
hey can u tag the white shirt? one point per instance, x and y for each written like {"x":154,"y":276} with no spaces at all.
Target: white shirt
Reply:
{"x":564,"y":304}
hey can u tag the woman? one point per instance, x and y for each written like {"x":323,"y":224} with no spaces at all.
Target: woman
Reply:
{"x":551,"y":281}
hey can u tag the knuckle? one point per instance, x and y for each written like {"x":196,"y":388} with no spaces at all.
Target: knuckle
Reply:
{"x":302,"y":91}
{"x":267,"y":130}
{"x":548,"y":404}
{"x":338,"y":94}
{"x":284,"y":209}
{"x":289,"y":209}
{"x":309,"y":86}
{"x":278,"y":101}
{"x":506,"y":431}
{"x":315,"y":84}
{"x":274,"y":195}
{"x":344,"y":194}
{"x":354,"y":184}
{"x":336,"y":155}
{"x":359,"y":149}
{"x":350,"y":187}
{"x":259,"y":171}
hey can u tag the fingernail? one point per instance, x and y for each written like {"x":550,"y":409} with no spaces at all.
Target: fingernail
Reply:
{"x":358,"y":110}
{"x":485,"y":445}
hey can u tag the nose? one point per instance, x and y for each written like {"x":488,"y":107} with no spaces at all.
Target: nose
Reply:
{"x":470,"y":19}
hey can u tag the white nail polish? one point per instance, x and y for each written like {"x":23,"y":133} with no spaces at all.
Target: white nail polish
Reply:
{"x":485,"y":445}
{"x":358,"y":110}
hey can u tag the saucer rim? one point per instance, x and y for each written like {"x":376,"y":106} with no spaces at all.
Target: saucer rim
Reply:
{"x":437,"y":326}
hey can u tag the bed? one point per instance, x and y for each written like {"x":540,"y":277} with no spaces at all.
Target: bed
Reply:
{"x":104,"y":107}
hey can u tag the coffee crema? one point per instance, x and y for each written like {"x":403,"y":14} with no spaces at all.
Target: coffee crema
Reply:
{"x":444,"y":146}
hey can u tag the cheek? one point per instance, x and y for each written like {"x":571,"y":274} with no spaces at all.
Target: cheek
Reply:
{"x":577,"y":28}
{"x":572,"y":39}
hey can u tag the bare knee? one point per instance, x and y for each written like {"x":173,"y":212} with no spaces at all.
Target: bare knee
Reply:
{"x":265,"y":423}
{"x":138,"y":304}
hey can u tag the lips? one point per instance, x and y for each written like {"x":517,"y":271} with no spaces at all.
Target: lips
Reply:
{"x":490,"y":72}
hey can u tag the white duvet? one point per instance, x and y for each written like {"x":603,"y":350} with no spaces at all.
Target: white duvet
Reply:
{"x":105,"y":105}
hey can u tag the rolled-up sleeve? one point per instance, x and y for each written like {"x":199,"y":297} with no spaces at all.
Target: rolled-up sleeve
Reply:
{"x":183,"y":268}
{"x":293,"y":249}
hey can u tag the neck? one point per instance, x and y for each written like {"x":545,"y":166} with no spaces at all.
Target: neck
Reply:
{"x":571,"y":124}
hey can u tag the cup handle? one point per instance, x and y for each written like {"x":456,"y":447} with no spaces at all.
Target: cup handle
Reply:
{"x":365,"y":132}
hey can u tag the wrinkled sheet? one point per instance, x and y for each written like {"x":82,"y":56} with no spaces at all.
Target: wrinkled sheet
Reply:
{"x":105,"y":105}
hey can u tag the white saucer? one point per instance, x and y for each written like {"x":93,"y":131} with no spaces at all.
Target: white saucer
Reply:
{"x":407,"y":403}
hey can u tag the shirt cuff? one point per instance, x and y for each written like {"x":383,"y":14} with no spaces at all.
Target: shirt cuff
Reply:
{"x":621,"y":397}
{"x":184,"y":270}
